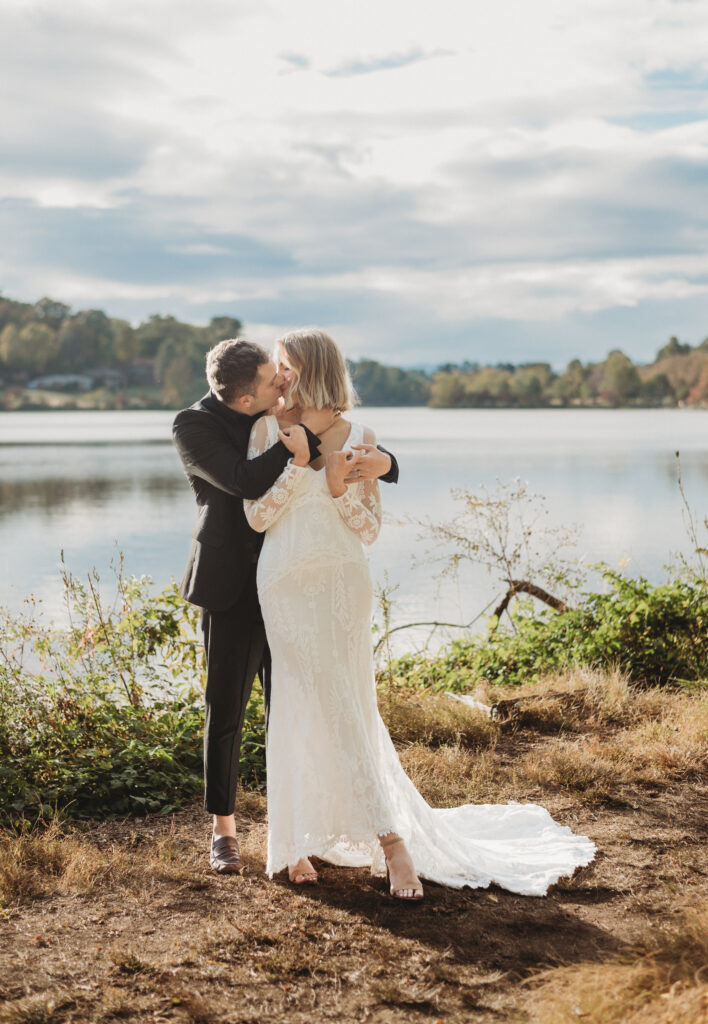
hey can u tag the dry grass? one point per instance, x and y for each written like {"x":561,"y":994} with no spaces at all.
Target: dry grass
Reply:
{"x":38,"y":1009}
{"x":582,"y":700}
{"x":57,"y":861}
{"x":452,"y":775}
{"x":589,"y":769}
{"x":435,"y":719}
{"x":123,"y":921}
{"x":665,"y":983}
{"x":672,"y":745}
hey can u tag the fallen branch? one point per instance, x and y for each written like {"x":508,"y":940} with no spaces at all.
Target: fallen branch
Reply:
{"x":524,"y":587}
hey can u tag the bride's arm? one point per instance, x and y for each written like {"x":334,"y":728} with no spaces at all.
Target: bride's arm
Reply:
{"x":263,"y":512}
{"x":359,"y":505}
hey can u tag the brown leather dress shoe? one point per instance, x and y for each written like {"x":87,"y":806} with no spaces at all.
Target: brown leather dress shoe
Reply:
{"x":225,"y":856}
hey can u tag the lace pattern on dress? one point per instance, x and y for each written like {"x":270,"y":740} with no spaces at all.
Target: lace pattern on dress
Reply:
{"x":265,"y":511}
{"x":360,"y":508}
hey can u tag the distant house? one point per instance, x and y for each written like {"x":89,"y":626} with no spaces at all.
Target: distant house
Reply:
{"x":63,"y":382}
{"x":114,"y":380}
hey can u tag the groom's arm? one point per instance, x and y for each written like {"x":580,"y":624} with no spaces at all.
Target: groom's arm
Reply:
{"x":206,"y":453}
{"x":391,"y":477}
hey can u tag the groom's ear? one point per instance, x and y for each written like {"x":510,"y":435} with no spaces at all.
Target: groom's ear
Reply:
{"x":244,"y":402}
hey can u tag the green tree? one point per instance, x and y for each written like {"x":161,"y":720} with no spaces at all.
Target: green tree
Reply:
{"x":531,"y":384}
{"x":673,"y":347}
{"x":657,"y":388}
{"x":10,"y":349}
{"x":572,"y":385}
{"x":620,"y":379}
{"x":51,"y":312}
{"x":489,"y":386}
{"x":179,"y":370}
{"x":157,"y":329}
{"x":222,"y":327}
{"x":12,"y":312}
{"x":124,"y":342}
{"x":85,"y":340}
{"x":448,"y":390}
{"x":388,"y":385}
{"x":31,"y":348}
{"x":40,"y":346}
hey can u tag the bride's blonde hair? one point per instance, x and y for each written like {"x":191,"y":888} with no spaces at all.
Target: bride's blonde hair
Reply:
{"x":322,"y":378}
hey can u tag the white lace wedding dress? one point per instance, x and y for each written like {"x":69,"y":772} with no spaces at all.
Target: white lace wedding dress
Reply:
{"x":334,"y":778}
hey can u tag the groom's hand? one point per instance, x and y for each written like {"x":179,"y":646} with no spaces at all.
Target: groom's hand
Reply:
{"x":370,"y":463}
{"x":295,"y":440}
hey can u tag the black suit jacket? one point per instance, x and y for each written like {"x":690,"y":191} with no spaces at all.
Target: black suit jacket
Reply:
{"x":212,"y":442}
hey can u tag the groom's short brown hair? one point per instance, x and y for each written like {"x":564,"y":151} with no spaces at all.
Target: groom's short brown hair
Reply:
{"x":232,"y":368}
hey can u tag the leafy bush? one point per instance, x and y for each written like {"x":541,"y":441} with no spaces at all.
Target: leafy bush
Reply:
{"x":105,"y":717}
{"x":654,"y":634}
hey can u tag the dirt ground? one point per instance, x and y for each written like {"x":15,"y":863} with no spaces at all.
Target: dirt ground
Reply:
{"x":131,"y":924}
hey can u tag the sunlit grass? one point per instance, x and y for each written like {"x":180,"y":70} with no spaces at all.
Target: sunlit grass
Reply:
{"x":664,"y":981}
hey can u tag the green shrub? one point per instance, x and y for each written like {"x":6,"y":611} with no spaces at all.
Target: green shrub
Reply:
{"x":655,"y":634}
{"x":105,"y":716}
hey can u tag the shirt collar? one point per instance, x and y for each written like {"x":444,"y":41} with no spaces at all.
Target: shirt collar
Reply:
{"x":216,"y":405}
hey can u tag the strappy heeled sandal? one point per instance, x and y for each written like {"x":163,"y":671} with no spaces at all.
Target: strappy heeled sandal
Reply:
{"x":408,"y":886}
{"x":302,"y":877}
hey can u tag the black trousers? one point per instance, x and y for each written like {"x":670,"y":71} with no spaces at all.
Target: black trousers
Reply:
{"x":236,"y":651}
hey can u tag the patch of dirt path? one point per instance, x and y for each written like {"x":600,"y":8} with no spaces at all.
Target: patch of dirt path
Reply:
{"x":175,"y":942}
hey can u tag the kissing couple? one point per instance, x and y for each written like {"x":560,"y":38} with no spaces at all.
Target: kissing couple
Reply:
{"x":288,"y":494}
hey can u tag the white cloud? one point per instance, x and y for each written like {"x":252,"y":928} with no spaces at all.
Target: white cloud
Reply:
{"x":198,"y":249}
{"x":464,"y":160}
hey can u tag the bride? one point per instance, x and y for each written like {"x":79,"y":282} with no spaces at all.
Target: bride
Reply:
{"x":336,"y":788}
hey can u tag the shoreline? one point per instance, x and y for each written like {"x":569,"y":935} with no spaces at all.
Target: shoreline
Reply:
{"x":592,"y":407}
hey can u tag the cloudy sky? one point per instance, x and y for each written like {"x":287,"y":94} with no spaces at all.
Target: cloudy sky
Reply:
{"x":451,"y":180}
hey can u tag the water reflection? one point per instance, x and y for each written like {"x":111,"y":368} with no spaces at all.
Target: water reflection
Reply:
{"x":612,"y":472}
{"x":51,"y":495}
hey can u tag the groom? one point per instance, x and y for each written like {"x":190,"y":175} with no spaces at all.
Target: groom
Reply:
{"x":212,"y":441}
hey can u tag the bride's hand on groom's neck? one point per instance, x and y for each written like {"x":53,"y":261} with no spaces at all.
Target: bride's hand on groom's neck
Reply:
{"x":295,"y":440}
{"x":318,"y":420}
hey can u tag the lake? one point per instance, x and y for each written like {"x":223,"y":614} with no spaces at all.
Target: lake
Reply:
{"x":92,"y":482}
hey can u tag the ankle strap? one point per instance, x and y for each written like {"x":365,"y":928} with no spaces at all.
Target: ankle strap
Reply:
{"x":385,"y":843}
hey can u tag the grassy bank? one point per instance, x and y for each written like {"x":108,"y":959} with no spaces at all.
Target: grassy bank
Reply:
{"x":105,"y":717}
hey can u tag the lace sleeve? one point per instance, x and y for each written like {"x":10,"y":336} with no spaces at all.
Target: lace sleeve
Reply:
{"x":360,"y":508}
{"x":360,"y":505}
{"x":263,"y":512}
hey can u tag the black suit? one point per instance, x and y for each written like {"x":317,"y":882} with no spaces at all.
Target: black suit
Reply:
{"x":212,"y":441}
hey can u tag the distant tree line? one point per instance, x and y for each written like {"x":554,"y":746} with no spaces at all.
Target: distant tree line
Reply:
{"x":160,"y":362}
{"x":678,"y":375}
{"x":46,"y":349}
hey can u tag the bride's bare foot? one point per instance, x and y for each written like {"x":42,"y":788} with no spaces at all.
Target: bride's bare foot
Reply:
{"x":403,"y":881}
{"x":302,"y":873}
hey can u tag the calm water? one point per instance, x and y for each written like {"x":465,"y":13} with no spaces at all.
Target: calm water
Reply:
{"x":90,"y":482}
